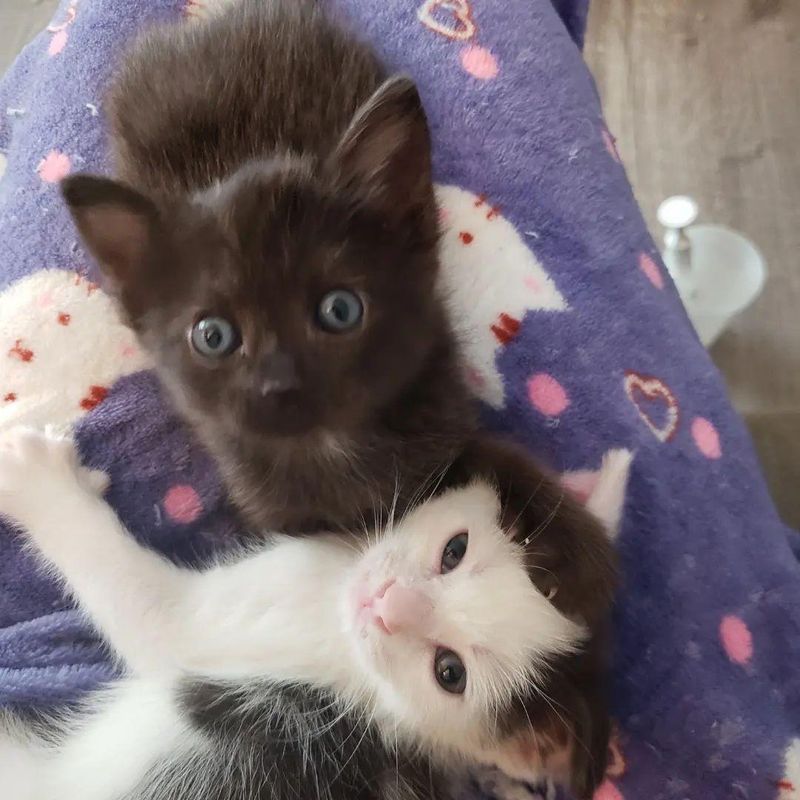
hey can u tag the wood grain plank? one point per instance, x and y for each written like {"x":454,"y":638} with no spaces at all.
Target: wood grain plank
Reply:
{"x":20,"y":21}
{"x":704,"y":97}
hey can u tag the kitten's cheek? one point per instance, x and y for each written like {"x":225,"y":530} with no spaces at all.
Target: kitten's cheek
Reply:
{"x":374,"y":649}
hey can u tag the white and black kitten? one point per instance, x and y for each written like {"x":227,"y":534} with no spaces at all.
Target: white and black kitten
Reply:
{"x":328,"y":666}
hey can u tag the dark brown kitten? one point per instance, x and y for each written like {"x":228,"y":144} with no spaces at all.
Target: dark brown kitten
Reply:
{"x":281,"y":203}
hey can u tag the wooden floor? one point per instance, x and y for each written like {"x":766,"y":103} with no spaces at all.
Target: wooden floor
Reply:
{"x":704,"y":98}
{"x":20,"y":21}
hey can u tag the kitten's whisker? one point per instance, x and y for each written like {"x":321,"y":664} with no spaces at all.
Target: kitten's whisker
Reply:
{"x":531,"y":537}
{"x":527,"y":503}
{"x":355,"y":749}
{"x":428,"y":487}
{"x":573,"y":733}
{"x":420,"y":490}
{"x":395,"y":498}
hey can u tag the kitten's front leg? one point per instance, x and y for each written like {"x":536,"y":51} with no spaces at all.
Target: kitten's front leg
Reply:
{"x":155,"y":615}
{"x":131,"y":593}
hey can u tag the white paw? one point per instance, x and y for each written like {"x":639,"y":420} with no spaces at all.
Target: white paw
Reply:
{"x":39,"y":472}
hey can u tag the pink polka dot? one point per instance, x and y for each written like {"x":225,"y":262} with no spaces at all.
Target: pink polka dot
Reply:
{"x":53,"y":167}
{"x":706,"y":437}
{"x":736,"y":639}
{"x":547,"y":395}
{"x":479,"y":62}
{"x":607,"y":791}
{"x":650,"y":268}
{"x":57,"y":43}
{"x":611,"y":147}
{"x":128,"y":351}
{"x":182,"y":504}
{"x":534,"y":284}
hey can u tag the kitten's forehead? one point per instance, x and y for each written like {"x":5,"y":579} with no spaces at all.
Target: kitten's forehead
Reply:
{"x":279,"y":193}
{"x":278,"y":213}
{"x":474,"y":505}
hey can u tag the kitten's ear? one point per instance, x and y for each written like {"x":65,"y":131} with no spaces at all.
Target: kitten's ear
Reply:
{"x":573,"y":561}
{"x":116,"y":223}
{"x":607,"y":500}
{"x":385,"y":152}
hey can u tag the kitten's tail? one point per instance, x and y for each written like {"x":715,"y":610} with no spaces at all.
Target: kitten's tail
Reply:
{"x":22,"y":757}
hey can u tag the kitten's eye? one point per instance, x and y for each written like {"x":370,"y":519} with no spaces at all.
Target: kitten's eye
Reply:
{"x":451,"y":674}
{"x":454,"y":551}
{"x":214,"y":337}
{"x":339,"y":311}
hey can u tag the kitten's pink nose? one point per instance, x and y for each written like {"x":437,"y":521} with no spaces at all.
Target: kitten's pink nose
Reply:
{"x":402,"y":609}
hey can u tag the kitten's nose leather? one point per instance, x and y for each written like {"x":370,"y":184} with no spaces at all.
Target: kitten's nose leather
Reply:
{"x":402,"y":609}
{"x":278,"y":373}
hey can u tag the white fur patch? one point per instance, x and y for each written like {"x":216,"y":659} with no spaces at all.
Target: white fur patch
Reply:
{"x":133,"y":726}
{"x":20,"y":760}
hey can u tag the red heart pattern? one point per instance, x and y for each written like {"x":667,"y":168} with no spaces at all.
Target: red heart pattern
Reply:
{"x":450,"y":18}
{"x":647,"y":393}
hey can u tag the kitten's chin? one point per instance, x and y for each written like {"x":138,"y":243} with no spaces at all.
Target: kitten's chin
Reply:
{"x":284,"y":432}
{"x":312,"y":441}
{"x":280,"y":415}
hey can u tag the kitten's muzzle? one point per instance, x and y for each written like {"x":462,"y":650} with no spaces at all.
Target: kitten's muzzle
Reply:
{"x":399,"y":609}
{"x":277,"y":373}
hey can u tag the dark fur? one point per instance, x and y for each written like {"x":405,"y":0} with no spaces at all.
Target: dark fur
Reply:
{"x":264,"y":741}
{"x":286,"y":742}
{"x":322,"y":188}
{"x":570,"y":719}
{"x":259,"y":169}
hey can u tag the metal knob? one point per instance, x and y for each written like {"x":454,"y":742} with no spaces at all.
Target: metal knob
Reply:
{"x":677,"y":214}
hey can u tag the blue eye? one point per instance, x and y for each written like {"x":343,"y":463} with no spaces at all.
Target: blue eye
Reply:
{"x":454,"y":552}
{"x":450,"y":672}
{"x":340,"y":311}
{"x":214,"y":337}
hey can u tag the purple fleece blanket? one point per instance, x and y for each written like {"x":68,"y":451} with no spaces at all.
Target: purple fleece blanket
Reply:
{"x":577,"y":344}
